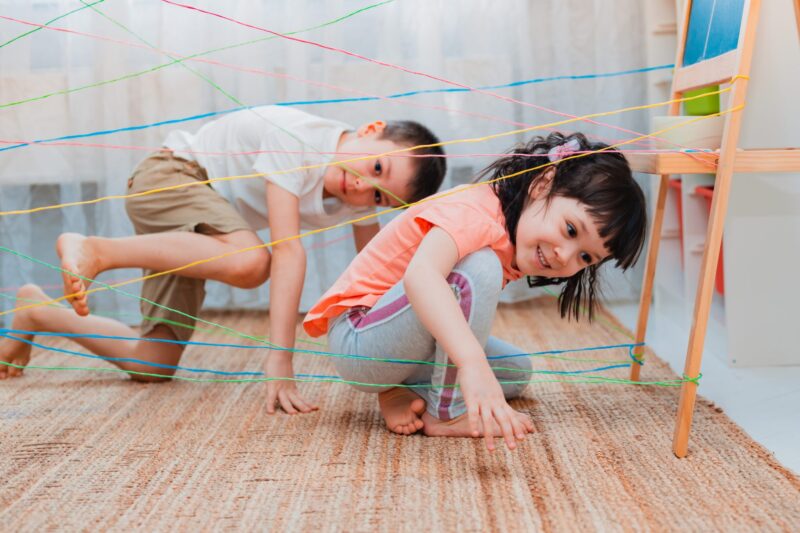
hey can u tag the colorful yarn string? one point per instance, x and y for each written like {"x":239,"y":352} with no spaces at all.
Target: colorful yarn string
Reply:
{"x":411,"y":149}
{"x":320,"y":230}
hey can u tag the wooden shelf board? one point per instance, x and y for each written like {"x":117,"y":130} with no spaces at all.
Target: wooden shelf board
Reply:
{"x":773,"y":160}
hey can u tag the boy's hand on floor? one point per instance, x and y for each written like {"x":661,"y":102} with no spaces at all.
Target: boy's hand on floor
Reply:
{"x":283,"y":392}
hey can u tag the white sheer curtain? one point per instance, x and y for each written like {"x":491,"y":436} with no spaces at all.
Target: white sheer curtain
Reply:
{"x":476,"y":43}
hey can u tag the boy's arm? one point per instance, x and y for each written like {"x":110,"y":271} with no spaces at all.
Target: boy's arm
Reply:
{"x":363,"y":234}
{"x":287,"y":273}
{"x":426,"y":286}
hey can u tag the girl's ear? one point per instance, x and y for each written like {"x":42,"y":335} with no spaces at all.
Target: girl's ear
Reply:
{"x":540,"y":187}
{"x":372,"y":128}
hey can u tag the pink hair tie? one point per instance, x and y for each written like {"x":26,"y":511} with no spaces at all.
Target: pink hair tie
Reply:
{"x":557,"y":153}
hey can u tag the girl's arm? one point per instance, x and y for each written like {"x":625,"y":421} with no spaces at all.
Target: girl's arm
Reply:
{"x":287,"y":273}
{"x":426,"y":286}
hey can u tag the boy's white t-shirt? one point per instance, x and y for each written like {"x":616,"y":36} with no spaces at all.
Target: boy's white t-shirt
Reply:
{"x":286,"y":138}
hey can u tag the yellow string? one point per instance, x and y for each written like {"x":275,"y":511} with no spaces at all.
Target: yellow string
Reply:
{"x":366,"y":217}
{"x":375,"y":156}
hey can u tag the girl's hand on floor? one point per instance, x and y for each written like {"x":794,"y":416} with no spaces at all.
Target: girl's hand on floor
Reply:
{"x":284,"y":392}
{"x":487,"y":407}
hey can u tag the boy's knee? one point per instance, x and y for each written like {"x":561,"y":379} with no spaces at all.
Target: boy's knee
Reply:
{"x":252,"y":270}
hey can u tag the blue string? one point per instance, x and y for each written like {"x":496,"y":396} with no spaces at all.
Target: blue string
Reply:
{"x":638,"y":360}
{"x":342,"y":100}
{"x":129,"y":359}
{"x":5,"y":333}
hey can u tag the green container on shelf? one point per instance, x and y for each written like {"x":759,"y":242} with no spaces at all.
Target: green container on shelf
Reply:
{"x":706,"y":105}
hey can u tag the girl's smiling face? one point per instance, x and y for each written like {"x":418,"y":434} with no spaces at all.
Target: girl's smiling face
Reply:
{"x":556,"y":237}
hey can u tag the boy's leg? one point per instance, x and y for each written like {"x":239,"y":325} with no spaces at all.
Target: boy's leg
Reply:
{"x":157,"y":252}
{"x":56,"y":319}
{"x":184,"y":223}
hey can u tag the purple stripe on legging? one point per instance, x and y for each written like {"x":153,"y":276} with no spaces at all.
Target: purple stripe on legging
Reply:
{"x":376,"y":315}
{"x":465,"y":300}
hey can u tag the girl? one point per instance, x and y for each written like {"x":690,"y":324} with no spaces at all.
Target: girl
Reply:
{"x":426,"y":288}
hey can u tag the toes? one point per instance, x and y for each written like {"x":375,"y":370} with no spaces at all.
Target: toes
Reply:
{"x":418,"y":406}
{"x":418,"y":424}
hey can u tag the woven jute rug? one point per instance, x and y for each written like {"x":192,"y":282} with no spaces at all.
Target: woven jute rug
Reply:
{"x":86,"y":450}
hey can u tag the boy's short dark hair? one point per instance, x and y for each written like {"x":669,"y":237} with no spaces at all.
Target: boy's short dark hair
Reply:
{"x":430,"y":170}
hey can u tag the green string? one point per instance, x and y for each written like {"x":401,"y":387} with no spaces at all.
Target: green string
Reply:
{"x":585,"y":379}
{"x":21,"y":35}
{"x":181,"y":60}
{"x":263,"y":339}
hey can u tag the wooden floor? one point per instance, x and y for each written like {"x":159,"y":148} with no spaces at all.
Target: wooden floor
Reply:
{"x":90,"y":450}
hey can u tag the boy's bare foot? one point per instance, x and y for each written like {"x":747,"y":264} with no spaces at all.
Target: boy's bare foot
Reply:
{"x":18,"y":352}
{"x":401,"y":410}
{"x":459,"y":426}
{"x":77,"y":257}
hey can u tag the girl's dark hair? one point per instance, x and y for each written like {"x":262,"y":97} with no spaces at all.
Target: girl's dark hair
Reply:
{"x":430,"y":170}
{"x":601,"y":181}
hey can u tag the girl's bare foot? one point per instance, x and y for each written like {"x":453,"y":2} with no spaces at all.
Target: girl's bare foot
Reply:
{"x":77,"y":257}
{"x":459,"y":426}
{"x":401,"y":410}
{"x":18,"y":352}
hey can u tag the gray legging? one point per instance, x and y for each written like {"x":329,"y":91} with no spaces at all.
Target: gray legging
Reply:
{"x":392,"y":330}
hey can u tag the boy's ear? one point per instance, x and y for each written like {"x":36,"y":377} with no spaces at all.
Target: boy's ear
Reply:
{"x":372,"y":128}
{"x":540,"y":187}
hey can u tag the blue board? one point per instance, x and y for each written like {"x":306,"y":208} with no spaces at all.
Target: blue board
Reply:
{"x":713,"y":29}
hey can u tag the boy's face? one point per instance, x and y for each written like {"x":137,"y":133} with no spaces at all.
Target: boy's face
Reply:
{"x":383,"y":181}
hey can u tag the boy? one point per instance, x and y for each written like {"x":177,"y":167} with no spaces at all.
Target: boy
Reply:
{"x":184,"y":225}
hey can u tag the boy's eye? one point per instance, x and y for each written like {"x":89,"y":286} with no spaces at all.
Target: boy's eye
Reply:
{"x":571,"y":231}
{"x":378,"y":197}
{"x":378,"y":168}
{"x":586,"y":258}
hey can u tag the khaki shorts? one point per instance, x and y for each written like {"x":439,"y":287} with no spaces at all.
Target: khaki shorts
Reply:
{"x":198,"y":208}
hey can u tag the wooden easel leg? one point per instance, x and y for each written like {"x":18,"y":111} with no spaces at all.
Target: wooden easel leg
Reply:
{"x":797,"y":14}
{"x":650,"y":272}
{"x":708,"y":269}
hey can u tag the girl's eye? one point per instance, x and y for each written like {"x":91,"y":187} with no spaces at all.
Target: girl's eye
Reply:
{"x":571,"y":231}
{"x":378,"y":197}
{"x":378,"y":168}
{"x":586,"y":258}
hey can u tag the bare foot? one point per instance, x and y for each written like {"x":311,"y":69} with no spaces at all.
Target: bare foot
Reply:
{"x":77,"y":258}
{"x":401,"y":410}
{"x":459,"y":426}
{"x":18,"y":352}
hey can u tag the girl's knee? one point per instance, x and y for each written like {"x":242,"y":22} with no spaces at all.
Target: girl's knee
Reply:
{"x":515,"y":376}
{"x":361,"y":375}
{"x":482,"y":266}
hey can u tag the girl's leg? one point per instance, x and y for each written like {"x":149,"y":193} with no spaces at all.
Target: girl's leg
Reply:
{"x":62,"y":320}
{"x":519,"y":367}
{"x":476,"y":281}
{"x":505,"y":369}
{"x":391,"y":330}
